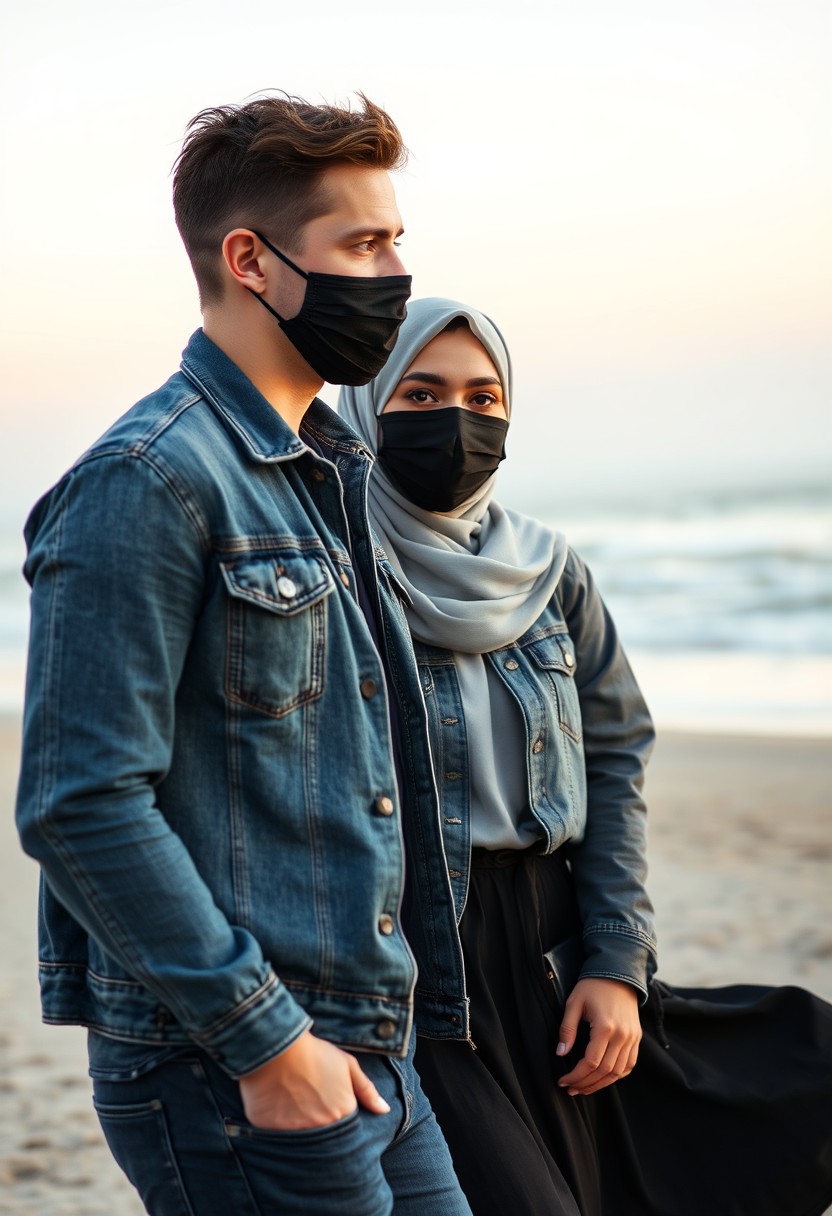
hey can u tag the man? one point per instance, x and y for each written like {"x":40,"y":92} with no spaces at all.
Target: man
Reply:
{"x":220,"y":687}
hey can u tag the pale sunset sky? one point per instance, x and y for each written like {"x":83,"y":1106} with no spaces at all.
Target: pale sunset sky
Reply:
{"x":638,"y":193}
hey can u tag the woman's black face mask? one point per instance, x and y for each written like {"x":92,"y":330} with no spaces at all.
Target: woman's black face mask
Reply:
{"x":440,"y":458}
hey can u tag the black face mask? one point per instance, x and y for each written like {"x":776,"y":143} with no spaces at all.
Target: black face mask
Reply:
{"x":439,"y":458}
{"x":347,"y":326}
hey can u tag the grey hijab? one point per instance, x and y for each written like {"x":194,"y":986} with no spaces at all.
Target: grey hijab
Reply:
{"x":479,"y":576}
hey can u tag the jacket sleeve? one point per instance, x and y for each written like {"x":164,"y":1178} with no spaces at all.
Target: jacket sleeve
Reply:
{"x":117,"y":569}
{"x":609,"y":863}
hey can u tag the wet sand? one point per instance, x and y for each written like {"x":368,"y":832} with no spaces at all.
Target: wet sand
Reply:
{"x":740,"y":871}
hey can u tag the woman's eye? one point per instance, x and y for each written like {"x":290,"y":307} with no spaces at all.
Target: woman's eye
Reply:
{"x":420,"y":396}
{"x":483,"y":400}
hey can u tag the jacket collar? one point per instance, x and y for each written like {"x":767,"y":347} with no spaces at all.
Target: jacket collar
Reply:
{"x":254,"y":423}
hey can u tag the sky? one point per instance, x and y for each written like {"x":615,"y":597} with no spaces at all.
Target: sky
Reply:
{"x":638,"y":194}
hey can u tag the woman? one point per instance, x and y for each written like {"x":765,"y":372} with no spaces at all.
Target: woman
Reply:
{"x":540,"y":737}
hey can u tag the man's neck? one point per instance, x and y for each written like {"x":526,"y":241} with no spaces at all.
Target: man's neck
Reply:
{"x":269,"y":360}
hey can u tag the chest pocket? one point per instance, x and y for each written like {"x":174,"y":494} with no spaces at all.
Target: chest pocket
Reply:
{"x":555,"y":656}
{"x":276,"y":652}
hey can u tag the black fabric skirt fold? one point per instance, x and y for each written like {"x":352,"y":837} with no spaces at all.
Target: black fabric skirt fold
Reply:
{"x":729,"y":1109}
{"x":727,"y":1113}
{"x":520,"y":1145}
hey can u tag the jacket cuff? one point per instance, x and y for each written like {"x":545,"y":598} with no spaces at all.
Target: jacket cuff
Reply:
{"x":256,"y":1030}
{"x":619,"y":952}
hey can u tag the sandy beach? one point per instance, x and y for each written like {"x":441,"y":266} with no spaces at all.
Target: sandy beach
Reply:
{"x":740,"y":852}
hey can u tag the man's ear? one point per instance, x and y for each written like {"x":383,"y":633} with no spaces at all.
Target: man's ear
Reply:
{"x":243,"y":254}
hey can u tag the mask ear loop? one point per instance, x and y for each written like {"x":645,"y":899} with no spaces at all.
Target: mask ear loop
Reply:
{"x":288,"y":262}
{"x":280,"y":255}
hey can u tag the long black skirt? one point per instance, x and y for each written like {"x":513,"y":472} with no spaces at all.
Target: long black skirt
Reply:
{"x":727,"y":1113}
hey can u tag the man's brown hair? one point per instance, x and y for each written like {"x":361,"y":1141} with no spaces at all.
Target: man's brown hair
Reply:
{"x":259,"y":165}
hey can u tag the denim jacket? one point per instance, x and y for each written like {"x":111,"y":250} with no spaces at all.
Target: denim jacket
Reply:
{"x":208,"y":776}
{"x":588,"y":737}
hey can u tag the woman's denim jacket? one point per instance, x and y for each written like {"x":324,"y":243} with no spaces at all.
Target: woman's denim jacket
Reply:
{"x":208,"y":775}
{"x":588,"y":737}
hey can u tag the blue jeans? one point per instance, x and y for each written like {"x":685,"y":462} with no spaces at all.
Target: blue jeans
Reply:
{"x":181,"y":1137}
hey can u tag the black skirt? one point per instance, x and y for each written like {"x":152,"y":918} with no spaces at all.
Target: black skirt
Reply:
{"x":727,"y":1113}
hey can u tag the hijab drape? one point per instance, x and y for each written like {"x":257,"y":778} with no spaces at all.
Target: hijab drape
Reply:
{"x":479,"y":576}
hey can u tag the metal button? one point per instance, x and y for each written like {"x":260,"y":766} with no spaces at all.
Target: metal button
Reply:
{"x":568,"y":659}
{"x":318,"y":474}
{"x":384,"y":805}
{"x":512,"y":665}
{"x":286,"y":587}
{"x":386,"y":1029}
{"x":369,"y":688}
{"x":386,"y":924}
{"x":345,"y":578}
{"x":538,"y":746}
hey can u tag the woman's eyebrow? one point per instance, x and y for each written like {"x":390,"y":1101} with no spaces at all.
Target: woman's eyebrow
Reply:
{"x":432,"y":378}
{"x":425,"y":377}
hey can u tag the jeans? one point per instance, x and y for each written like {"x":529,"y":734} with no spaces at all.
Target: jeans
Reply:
{"x":181,"y":1137}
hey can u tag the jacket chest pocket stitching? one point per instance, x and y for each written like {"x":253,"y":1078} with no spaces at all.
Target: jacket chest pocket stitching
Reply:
{"x":276,"y":627}
{"x":555,"y":655}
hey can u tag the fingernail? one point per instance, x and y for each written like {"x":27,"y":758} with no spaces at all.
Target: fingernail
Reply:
{"x":561,"y":1049}
{"x":384,"y":1106}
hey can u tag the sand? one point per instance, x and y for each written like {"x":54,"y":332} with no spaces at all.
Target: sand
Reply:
{"x":740,"y":851}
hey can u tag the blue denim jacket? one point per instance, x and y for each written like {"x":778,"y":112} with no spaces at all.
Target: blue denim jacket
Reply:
{"x":588,"y":738}
{"x":208,"y":775}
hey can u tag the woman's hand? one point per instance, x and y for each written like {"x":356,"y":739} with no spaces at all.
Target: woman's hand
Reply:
{"x":611,"y":1009}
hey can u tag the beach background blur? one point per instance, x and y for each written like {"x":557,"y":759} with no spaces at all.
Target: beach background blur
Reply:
{"x":639,"y":195}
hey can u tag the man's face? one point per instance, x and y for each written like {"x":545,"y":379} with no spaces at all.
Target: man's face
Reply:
{"x":359,"y":234}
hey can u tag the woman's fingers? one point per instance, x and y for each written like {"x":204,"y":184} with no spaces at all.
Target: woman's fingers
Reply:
{"x":611,"y":1009}
{"x":606,"y":1059}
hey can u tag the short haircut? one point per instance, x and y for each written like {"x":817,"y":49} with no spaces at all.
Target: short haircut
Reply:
{"x":259,"y":165}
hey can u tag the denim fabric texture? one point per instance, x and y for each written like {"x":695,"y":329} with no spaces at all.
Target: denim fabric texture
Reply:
{"x":588,"y":738}
{"x":208,"y":779}
{"x":182,"y":1138}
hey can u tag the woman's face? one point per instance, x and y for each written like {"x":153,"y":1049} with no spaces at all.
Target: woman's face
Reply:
{"x":453,"y":370}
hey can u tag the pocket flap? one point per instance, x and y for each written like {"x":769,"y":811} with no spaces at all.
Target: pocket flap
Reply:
{"x":554,"y":653}
{"x":284,"y":583}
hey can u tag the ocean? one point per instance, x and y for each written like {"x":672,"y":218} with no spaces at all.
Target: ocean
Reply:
{"x":723,"y":600}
